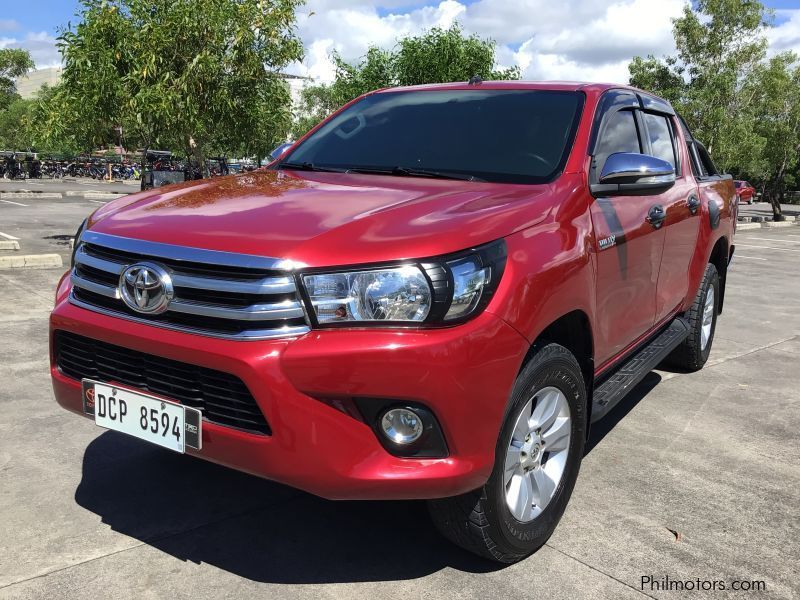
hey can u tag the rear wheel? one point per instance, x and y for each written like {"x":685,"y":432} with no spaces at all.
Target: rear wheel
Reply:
{"x":693,"y":353}
{"x":537,"y":460}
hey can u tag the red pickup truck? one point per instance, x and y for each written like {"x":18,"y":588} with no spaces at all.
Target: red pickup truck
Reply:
{"x":745,"y":192}
{"x":432,"y":295}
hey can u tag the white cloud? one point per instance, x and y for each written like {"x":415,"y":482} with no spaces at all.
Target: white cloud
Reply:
{"x":571,"y":39}
{"x":566,"y":39}
{"x":785,"y":36}
{"x":8,"y":25}
{"x":41,"y":45}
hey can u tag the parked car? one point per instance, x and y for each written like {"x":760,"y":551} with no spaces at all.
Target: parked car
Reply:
{"x":434,"y":295}
{"x":745,"y":192}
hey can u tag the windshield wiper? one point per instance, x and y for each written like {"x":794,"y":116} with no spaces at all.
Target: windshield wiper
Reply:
{"x":414,"y":172}
{"x":308,"y":166}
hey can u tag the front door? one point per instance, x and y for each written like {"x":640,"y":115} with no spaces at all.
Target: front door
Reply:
{"x":628,"y":249}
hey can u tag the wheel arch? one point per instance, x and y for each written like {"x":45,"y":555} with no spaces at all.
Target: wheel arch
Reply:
{"x":719,"y":258}
{"x":573,"y":331}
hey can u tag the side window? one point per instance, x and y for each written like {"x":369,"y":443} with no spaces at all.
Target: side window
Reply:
{"x":705,"y":159}
{"x":698,"y":169}
{"x":619,"y":134}
{"x":658,"y":131}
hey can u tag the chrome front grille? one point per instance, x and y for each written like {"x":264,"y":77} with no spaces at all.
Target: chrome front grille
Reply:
{"x":219,"y":294}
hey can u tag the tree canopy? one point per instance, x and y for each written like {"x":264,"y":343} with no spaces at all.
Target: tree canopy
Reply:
{"x":739,"y":104}
{"x":195,"y":76}
{"x":436,"y":56}
{"x":14,"y":62}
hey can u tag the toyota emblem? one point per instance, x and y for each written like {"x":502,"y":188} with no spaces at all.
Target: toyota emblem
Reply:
{"x":146,"y":288}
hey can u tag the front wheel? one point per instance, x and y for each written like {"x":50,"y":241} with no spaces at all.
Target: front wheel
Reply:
{"x":537,"y":460}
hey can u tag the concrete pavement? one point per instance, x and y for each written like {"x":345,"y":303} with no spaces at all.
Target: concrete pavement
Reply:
{"x":712,"y":456}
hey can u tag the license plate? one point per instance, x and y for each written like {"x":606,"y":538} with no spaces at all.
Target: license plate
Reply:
{"x":167,"y":424}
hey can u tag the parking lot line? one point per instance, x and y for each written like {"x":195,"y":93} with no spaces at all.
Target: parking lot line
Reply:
{"x":738,"y":256}
{"x":8,"y":237}
{"x":10,"y":202}
{"x":768,"y":247}
{"x":752,"y":237}
{"x":95,"y":201}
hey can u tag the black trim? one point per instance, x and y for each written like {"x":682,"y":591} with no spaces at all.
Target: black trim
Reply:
{"x":713,"y":214}
{"x":431,"y":443}
{"x":612,"y":387}
{"x":655,"y":104}
{"x":615,"y":99}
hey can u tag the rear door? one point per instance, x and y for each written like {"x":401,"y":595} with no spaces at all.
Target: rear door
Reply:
{"x":682,"y":206}
{"x":628,"y":248}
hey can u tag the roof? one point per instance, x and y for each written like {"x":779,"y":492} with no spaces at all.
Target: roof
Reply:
{"x":648,"y":100}
{"x":563,"y":86}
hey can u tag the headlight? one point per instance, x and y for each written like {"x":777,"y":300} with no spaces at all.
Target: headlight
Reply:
{"x":76,"y":243}
{"x":469,"y":279}
{"x":396,"y":294}
{"x":433,"y":292}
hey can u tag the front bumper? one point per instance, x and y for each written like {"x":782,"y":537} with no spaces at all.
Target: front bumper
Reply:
{"x":463,"y":374}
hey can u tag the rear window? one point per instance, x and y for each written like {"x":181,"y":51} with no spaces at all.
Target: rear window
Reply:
{"x":509,"y":136}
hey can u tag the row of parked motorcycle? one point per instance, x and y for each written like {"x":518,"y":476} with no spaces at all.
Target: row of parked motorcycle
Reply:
{"x":16,"y":167}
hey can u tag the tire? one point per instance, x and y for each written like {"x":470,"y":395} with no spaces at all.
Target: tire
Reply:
{"x":693,"y":353}
{"x":482,"y":521}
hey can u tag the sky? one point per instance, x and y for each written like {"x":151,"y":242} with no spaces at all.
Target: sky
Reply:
{"x":591,"y":40}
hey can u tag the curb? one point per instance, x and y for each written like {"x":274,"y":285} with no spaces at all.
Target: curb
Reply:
{"x":31,"y":261}
{"x":93,"y":195}
{"x":744,"y":225}
{"x":102,"y":196}
{"x":9,"y":245}
{"x":48,"y":195}
{"x":779,"y":224}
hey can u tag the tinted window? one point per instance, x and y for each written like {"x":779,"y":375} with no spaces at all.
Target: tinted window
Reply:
{"x":708,"y":165}
{"x":660,"y":138}
{"x":618,"y":135}
{"x":521,"y":136}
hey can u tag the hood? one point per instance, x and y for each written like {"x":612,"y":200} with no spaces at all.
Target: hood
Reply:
{"x":326,"y":219}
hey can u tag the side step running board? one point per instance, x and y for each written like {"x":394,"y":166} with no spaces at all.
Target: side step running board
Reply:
{"x":636,"y":367}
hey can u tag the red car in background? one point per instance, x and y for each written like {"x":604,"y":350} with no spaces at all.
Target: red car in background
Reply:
{"x":745,"y":192}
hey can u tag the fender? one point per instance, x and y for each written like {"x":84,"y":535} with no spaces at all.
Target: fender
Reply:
{"x":716,"y":222}
{"x":565,"y":271}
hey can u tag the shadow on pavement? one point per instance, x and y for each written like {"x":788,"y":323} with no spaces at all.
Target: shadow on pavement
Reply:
{"x":200,"y":512}
{"x":603,"y":427}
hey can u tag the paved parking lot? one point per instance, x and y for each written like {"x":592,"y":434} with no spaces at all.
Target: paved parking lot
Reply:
{"x":711,"y":458}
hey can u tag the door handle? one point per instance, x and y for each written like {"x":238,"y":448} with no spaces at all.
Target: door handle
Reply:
{"x":656,"y":216}
{"x":693,"y":203}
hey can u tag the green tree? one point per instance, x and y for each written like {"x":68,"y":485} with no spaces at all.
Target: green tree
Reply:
{"x":16,"y":125}
{"x":14,"y":63}
{"x":195,"y":76}
{"x":719,"y":44}
{"x":436,"y":56}
{"x":775,"y":87}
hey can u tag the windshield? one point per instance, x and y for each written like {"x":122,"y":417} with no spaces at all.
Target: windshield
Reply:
{"x":507,"y":136}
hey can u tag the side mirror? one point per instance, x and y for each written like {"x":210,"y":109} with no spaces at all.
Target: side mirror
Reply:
{"x":279,"y":151}
{"x":630,"y":174}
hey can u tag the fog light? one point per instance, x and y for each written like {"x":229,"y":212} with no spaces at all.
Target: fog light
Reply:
{"x":401,"y":425}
